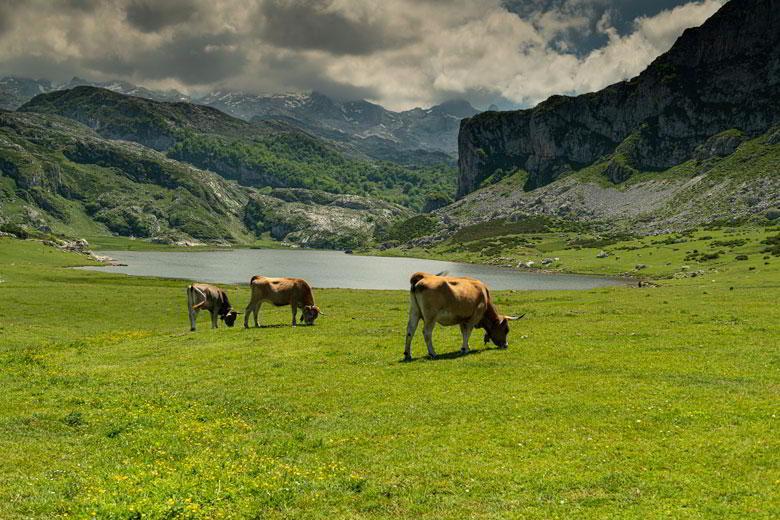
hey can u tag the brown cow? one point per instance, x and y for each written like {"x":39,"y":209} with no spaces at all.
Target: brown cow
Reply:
{"x":448,"y":301}
{"x":201,"y":296}
{"x":295,"y":292}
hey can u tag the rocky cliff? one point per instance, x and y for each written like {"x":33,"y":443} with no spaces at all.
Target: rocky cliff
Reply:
{"x":721,"y":76}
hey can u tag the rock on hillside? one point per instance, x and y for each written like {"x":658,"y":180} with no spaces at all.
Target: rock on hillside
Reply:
{"x":733,"y":180}
{"x":722,"y":75}
{"x":316,"y":219}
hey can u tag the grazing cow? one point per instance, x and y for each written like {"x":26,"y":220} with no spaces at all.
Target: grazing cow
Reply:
{"x":449,"y":300}
{"x":201,"y":296}
{"x":295,"y":292}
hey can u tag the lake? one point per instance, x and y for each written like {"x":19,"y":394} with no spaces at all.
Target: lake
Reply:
{"x":329,"y":269}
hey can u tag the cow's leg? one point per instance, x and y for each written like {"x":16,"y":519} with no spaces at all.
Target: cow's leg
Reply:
{"x":214,"y":320}
{"x":193,"y":317}
{"x":428,"y":335}
{"x":193,"y":313}
{"x":411,"y":328}
{"x":465,"y":329}
{"x":249,"y":308}
{"x":294,"y":312}
{"x":257,"y":311}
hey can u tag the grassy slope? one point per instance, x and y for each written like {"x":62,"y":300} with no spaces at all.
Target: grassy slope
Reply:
{"x":267,"y":153}
{"x":662,"y":256}
{"x":610,"y":402}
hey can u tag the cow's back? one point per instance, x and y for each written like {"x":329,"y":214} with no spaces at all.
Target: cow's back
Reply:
{"x":280,"y":291}
{"x":215,"y":297}
{"x":452,"y":299}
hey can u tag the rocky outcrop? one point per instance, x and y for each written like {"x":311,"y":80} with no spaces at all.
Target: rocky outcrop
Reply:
{"x":316,"y":219}
{"x":722,"y":75}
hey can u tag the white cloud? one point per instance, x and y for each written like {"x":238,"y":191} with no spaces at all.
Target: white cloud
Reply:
{"x":425,"y":50}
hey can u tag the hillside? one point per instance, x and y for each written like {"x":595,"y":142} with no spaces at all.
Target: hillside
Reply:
{"x":361,"y":129}
{"x":272,"y":153}
{"x":721,"y":77}
{"x":738,"y":187}
{"x":428,"y":135}
{"x":59,"y":176}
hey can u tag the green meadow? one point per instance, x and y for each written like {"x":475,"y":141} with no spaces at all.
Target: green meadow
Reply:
{"x":621,"y":402}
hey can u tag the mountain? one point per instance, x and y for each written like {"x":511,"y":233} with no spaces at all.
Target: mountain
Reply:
{"x":721,"y":77}
{"x":418,"y":137}
{"x":57,"y":175}
{"x":90,"y":161}
{"x":366,"y":127}
{"x":128,"y":89}
{"x":261,"y":154}
{"x":14,"y":92}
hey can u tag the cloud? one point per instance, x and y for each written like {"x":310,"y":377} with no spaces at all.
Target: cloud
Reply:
{"x":194,"y":60}
{"x":401,"y":53}
{"x":321,"y":25}
{"x":6,"y":15}
{"x":154,"y":15}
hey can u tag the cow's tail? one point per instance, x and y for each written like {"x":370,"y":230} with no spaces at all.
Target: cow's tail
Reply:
{"x":416,"y":277}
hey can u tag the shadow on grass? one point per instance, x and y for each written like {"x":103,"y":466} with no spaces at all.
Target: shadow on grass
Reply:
{"x":455,"y":354}
{"x":272,"y":326}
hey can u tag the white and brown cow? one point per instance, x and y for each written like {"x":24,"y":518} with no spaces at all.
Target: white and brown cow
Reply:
{"x":448,"y":301}
{"x":201,"y":296}
{"x":295,"y":292}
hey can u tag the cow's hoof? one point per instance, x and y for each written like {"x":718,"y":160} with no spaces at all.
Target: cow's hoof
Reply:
{"x":464,"y":351}
{"x":192,"y":329}
{"x":407,"y":357}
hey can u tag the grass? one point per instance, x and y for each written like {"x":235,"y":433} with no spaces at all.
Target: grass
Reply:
{"x":617,"y":402}
{"x":119,"y":243}
{"x":661,"y":256}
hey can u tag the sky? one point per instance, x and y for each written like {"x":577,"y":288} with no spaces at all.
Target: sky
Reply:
{"x":399,"y":53}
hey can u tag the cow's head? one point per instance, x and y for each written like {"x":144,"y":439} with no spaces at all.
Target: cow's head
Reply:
{"x":310,"y":313}
{"x":230,"y":317}
{"x":497,"y":331}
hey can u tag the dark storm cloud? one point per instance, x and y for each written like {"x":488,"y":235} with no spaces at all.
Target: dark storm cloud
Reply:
{"x":313,"y":25}
{"x":6,"y":15}
{"x":153,"y":15}
{"x":301,"y":73}
{"x":44,"y":67}
{"x":83,"y":5}
{"x":192,"y":60}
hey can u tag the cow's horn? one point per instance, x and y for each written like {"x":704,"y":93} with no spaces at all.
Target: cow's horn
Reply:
{"x":513,"y":318}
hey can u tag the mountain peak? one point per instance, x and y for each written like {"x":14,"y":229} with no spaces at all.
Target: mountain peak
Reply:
{"x":459,"y":108}
{"x":716,"y":77}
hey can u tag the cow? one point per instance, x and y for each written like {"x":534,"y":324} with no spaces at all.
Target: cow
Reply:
{"x":201,"y":296}
{"x":295,"y":292}
{"x":453,"y":301}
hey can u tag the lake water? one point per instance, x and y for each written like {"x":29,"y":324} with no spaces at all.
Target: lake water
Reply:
{"x":329,"y":269}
